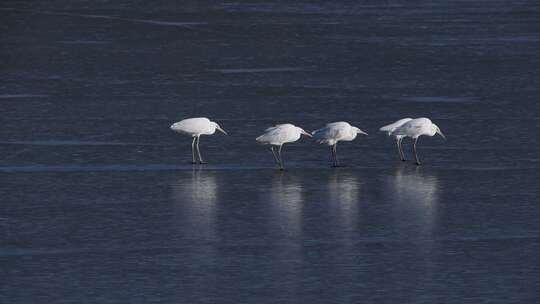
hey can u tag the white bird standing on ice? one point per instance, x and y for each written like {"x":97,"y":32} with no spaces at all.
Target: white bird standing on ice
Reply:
{"x":195,"y":127}
{"x":391,"y":128}
{"x":279,"y":135}
{"x":334,"y":132}
{"x":416,"y":128}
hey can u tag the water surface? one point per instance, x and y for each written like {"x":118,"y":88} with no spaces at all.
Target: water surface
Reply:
{"x":100,"y":202}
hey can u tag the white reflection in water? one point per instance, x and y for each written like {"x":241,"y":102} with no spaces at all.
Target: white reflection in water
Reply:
{"x":286,"y":199}
{"x":195,"y":195}
{"x":414,"y":196}
{"x":343,"y":195}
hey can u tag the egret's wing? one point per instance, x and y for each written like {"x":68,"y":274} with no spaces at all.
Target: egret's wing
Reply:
{"x":332,"y":131}
{"x":409,"y":128}
{"x":269,"y":129}
{"x":339,"y":124}
{"x":193,"y":125}
{"x":326,"y":133}
{"x":388,"y":128}
{"x":395,"y":125}
{"x":275,"y":127}
{"x":274,"y":134}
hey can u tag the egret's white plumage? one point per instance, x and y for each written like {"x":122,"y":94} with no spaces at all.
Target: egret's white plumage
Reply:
{"x":195,"y":127}
{"x":335,"y":132}
{"x":393,"y":126}
{"x":279,"y":135}
{"x":416,"y":128}
{"x":389,"y":129}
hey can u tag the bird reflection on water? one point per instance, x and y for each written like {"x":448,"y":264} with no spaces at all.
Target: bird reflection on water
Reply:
{"x":414,"y":195}
{"x":195,"y":195}
{"x":286,"y":198}
{"x":344,"y":192}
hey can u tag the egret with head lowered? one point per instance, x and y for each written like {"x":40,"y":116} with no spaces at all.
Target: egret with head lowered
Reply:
{"x":415,"y":128}
{"x":389,"y":129}
{"x":335,"y":132}
{"x":195,"y":127}
{"x":278,"y":135}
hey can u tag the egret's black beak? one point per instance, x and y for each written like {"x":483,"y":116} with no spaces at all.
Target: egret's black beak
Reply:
{"x":306,"y":134}
{"x":221,"y":130}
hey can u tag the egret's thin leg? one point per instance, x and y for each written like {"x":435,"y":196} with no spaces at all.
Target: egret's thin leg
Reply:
{"x":280,"y":159}
{"x":193,"y":150}
{"x":401,"y":146}
{"x":415,"y":154}
{"x":201,"y":161}
{"x":274,"y":154}
{"x":335,"y":156}
{"x":400,"y":150}
{"x":332,"y":156}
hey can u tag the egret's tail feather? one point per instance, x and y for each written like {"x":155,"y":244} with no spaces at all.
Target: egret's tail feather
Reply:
{"x":262,"y":139}
{"x":387,"y":128}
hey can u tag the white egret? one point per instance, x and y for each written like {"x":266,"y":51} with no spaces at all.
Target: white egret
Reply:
{"x":279,"y":135}
{"x":391,"y":128}
{"x":335,"y":132}
{"x":195,"y":127}
{"x":416,"y":128}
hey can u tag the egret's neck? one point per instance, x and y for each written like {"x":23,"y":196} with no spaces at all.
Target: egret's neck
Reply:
{"x":433,"y":130}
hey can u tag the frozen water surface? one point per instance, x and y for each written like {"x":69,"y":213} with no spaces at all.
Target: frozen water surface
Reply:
{"x":100,"y":203}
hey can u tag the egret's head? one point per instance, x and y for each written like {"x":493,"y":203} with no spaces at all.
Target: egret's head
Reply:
{"x":358,"y":131}
{"x":304,"y":132}
{"x":220,"y":129}
{"x":438,"y":131}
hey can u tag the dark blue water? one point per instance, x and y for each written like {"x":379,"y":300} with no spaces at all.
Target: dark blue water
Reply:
{"x":100,"y":204}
